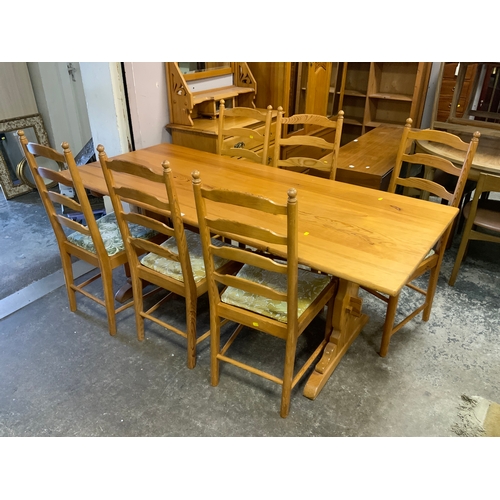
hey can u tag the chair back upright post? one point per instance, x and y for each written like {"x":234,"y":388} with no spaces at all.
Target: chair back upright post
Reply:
{"x":325,"y":159}
{"x":244,"y":142}
{"x":264,"y":294}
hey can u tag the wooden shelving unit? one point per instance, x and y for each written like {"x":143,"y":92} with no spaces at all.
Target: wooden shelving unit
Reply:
{"x":382,"y":93}
{"x":369,"y":93}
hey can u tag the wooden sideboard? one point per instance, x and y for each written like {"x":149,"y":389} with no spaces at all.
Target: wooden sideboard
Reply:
{"x":195,"y":90}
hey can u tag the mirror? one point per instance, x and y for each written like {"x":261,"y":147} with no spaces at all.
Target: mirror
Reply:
{"x":197,"y":67}
{"x":11,"y":152}
{"x":193,"y":71}
{"x":468,"y":98}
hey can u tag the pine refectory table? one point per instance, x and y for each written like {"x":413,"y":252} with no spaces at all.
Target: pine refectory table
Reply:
{"x":363,"y":236}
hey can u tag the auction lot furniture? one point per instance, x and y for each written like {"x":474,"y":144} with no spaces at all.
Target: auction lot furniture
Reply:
{"x":483,"y":219}
{"x":99,"y":242}
{"x":267,"y":294}
{"x":174,"y":263}
{"x":432,"y":261}
{"x":362,"y":236}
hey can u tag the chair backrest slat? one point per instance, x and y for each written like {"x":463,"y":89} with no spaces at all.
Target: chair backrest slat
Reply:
{"x":249,"y":286}
{"x":73,"y":225}
{"x":242,"y":142}
{"x":434,"y":162}
{"x":155,"y":225}
{"x":245,"y":230}
{"x":324,"y":154}
{"x":244,"y":200}
{"x":65,"y":200}
{"x":146,"y":200}
{"x":246,"y":257}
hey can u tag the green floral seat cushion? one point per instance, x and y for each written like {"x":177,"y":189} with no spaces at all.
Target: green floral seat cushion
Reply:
{"x":173,"y":269}
{"x":110,"y":233}
{"x":310,"y":285}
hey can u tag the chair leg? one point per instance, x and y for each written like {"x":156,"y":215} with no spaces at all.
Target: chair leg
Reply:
{"x":286,"y":390}
{"x":138,"y":307}
{"x":462,"y":249}
{"x":69,"y":279}
{"x":431,"y":291}
{"x":109,"y":297}
{"x":214,"y":348}
{"x":191,"y":305}
{"x":390,"y":315}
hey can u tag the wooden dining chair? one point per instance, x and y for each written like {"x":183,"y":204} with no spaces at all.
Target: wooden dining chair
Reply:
{"x":175,"y":263}
{"x":267,"y":294}
{"x":483,"y":218}
{"x":248,"y":143}
{"x":98,"y":242}
{"x":306,"y":153}
{"x":432,"y":261}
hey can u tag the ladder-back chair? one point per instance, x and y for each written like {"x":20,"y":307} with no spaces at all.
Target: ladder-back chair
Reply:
{"x":175,"y":264}
{"x":322,"y":155}
{"x":267,"y":294}
{"x":483,"y":218}
{"x":243,"y":142}
{"x":98,"y":242}
{"x":432,"y":262}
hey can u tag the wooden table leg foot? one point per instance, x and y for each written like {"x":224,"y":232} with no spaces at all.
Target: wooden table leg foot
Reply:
{"x":348,"y":321}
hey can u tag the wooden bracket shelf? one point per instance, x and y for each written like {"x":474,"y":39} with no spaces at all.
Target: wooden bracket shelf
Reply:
{"x":392,"y":97}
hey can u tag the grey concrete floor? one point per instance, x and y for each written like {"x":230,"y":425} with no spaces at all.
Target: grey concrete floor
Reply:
{"x":27,"y":243}
{"x":62,"y":374}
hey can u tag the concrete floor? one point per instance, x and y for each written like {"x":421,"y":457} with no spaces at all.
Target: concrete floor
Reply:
{"x":62,"y":374}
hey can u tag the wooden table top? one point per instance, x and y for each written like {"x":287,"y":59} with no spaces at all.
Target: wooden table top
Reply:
{"x":486,"y":159}
{"x":372,"y":238}
{"x":374,"y":153}
{"x":368,"y":161}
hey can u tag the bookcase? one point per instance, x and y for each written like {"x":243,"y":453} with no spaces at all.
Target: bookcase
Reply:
{"x":369,"y":93}
{"x":377,"y":93}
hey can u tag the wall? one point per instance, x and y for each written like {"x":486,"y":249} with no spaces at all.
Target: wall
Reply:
{"x":16,"y":93}
{"x":148,"y":101}
{"x":429,"y":100}
{"x":104,"y":93}
{"x":61,"y":102}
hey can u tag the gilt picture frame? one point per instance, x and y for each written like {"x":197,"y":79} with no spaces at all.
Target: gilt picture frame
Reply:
{"x":11,"y":185}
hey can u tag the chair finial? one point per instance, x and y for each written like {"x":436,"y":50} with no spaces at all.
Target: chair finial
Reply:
{"x":408,"y":123}
{"x":102,"y":153}
{"x":292,"y":195}
{"x":166,"y":166}
{"x":195,"y":175}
